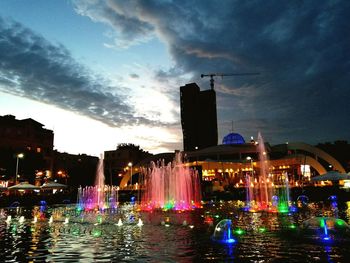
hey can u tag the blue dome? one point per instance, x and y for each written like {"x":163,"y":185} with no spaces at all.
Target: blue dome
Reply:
{"x":233,"y":138}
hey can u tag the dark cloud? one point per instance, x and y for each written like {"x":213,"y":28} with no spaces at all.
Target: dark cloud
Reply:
{"x":32,"y":67}
{"x":134,"y":76}
{"x":301,"y":49}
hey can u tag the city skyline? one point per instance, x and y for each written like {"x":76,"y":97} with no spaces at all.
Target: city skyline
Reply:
{"x":100,"y":73}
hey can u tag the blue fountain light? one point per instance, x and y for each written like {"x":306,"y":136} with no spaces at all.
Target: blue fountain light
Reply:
{"x":326,"y":229}
{"x":303,"y":199}
{"x":293,"y":209}
{"x":246,"y":208}
{"x":325,"y":236}
{"x":333,"y":198}
{"x":132,"y":200}
{"x":43,"y":205}
{"x":223,"y":232}
{"x":228,"y":238}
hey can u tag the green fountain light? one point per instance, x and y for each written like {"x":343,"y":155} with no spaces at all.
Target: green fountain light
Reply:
{"x":292,"y":226}
{"x":239,"y":231}
{"x":96,"y":232}
{"x":283,"y":207}
{"x":262,"y":229}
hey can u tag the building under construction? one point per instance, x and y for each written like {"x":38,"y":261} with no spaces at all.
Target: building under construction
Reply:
{"x":198,"y":117}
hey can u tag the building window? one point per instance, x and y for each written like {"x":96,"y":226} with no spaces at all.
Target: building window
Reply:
{"x":38,"y":150}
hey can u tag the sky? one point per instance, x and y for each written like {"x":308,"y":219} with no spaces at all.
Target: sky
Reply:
{"x":104,"y":72}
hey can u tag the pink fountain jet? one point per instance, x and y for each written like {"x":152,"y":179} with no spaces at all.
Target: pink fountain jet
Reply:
{"x":171,"y":186}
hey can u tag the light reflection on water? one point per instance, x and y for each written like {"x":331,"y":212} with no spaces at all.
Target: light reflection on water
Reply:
{"x":164,"y":237}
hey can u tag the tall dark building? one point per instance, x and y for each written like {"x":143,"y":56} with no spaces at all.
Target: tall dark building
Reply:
{"x":198,"y":117}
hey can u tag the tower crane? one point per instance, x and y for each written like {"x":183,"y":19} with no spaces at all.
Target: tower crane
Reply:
{"x":212,"y":75}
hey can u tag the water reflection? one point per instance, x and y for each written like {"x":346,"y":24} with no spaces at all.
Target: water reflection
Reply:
{"x":164,"y":236}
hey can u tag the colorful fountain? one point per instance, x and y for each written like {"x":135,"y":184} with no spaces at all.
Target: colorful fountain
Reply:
{"x":171,"y":186}
{"x":262,"y":194}
{"x":325,"y":228}
{"x":283,"y":195}
{"x":99,"y":196}
{"x":85,"y":231}
{"x":223,"y":232}
{"x":259,"y":188}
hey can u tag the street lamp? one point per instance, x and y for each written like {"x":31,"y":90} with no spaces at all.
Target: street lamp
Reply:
{"x":130,"y":165}
{"x":251,"y":163}
{"x":196,"y":148}
{"x":18,"y":156}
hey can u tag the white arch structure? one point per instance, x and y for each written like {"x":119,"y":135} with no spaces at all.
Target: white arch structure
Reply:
{"x":318,"y":153}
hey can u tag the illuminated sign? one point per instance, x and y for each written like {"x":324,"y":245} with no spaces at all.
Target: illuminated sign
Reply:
{"x":305,"y":170}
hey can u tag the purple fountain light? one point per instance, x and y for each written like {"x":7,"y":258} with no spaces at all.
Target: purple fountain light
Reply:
{"x":99,"y":196}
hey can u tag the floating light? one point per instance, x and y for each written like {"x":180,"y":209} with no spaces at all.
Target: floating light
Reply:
{"x":140,"y":223}
{"x":120,"y":223}
{"x":8,"y":219}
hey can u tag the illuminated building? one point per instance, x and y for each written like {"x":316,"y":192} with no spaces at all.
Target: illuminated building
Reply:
{"x":229,"y":161}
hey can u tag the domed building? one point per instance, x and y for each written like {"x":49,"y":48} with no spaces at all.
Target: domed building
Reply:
{"x":233,"y":138}
{"x":235,"y":157}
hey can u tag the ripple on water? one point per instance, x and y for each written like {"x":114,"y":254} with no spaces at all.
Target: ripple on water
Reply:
{"x":159,"y":242}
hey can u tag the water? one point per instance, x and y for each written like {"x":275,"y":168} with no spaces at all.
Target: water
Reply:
{"x":262,"y":191}
{"x":165,"y":236}
{"x":171,"y":186}
{"x":166,"y":186}
{"x":99,"y":196}
{"x":98,"y":229}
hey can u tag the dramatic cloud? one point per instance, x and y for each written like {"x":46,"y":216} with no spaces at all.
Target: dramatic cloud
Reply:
{"x":301,"y":49}
{"x":121,"y":18}
{"x":32,"y":67}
